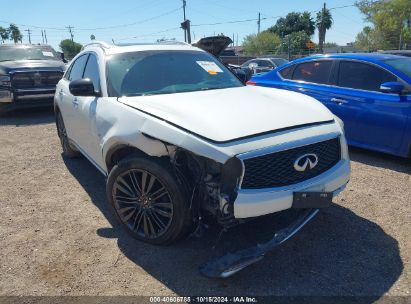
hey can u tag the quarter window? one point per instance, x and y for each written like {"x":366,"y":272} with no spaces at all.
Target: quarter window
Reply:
{"x":363,"y":76}
{"x":77,"y":68}
{"x":313,"y":71}
{"x":92,"y":72}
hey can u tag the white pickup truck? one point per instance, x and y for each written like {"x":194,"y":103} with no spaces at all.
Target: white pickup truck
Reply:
{"x":177,"y":135}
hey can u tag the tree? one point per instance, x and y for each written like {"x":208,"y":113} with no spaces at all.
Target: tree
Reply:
{"x":296,"y":43}
{"x":294,"y":22}
{"x":390,"y":24}
{"x":323,"y":22}
{"x":70,"y":48}
{"x":263,"y":43}
{"x":92,"y":37}
{"x":15,"y":33}
{"x":4,"y":34}
{"x":368,"y":40}
{"x":330,"y":44}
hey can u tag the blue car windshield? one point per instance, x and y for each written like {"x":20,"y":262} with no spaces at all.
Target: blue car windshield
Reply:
{"x":166,"y":72}
{"x":401,"y":64}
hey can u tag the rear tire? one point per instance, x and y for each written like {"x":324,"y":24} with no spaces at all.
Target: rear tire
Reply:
{"x":148,"y":200}
{"x":68,"y":150}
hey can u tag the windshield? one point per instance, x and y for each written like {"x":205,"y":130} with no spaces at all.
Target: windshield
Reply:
{"x":27,"y":53}
{"x":166,"y":72}
{"x":401,"y":64}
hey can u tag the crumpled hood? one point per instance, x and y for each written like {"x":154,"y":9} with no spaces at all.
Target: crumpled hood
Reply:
{"x":22,"y":65}
{"x":228,"y":114}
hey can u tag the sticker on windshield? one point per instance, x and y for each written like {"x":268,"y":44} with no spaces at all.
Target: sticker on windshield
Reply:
{"x":211,"y":67}
{"x":48,"y":54}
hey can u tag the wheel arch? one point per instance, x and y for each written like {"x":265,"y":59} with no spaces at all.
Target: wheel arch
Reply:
{"x":144,"y":146}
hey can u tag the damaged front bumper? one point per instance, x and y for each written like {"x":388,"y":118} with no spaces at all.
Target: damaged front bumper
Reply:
{"x":232,"y":263}
{"x":253,"y":203}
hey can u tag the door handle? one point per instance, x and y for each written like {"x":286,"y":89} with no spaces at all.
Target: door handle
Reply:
{"x":339,"y":101}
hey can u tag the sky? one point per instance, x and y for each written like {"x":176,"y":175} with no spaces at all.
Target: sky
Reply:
{"x":144,"y":21}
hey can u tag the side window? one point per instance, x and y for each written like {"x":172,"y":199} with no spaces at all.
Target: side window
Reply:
{"x":67,"y":73}
{"x":92,"y":72}
{"x":77,"y":68}
{"x":245,"y":64}
{"x":286,"y":72}
{"x":265,"y":63}
{"x":313,"y":71}
{"x":363,"y":76}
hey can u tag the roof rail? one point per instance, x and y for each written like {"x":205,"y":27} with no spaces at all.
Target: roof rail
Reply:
{"x":101,"y":44}
{"x":173,"y":42}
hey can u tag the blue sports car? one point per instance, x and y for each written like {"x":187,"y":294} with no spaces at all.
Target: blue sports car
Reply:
{"x":371,"y":93}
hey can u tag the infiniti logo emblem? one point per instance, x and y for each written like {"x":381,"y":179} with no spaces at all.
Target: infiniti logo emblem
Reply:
{"x":306,"y":162}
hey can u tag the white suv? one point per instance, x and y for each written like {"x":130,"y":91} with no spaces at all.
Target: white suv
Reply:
{"x":178,"y":135}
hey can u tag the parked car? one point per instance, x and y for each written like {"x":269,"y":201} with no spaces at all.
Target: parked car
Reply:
{"x":263,"y":65}
{"x":371,"y":93}
{"x":178,"y":135}
{"x":28,"y":76}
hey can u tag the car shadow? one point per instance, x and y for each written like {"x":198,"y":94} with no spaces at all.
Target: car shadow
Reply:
{"x":338,"y":254}
{"x":25,"y":117}
{"x":382,"y":160}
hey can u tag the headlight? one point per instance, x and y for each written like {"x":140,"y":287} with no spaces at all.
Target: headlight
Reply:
{"x":5,"y":80}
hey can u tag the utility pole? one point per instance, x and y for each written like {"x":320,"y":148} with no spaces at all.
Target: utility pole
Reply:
{"x":186,"y":27}
{"x":45,"y":36}
{"x":42,"y":37}
{"x":184,"y":12}
{"x":289,"y":49}
{"x":29,"y":32}
{"x":71,"y":32}
{"x":259,"y":22}
{"x":321,"y":30}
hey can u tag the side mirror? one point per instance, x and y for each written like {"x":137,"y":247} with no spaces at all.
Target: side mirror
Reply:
{"x":244,"y":74}
{"x":83,"y":87}
{"x":62,"y":57}
{"x":392,"y":87}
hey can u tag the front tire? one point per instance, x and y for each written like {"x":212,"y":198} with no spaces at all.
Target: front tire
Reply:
{"x":68,"y":150}
{"x":148,"y":200}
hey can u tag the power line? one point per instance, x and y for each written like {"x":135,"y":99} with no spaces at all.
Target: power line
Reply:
{"x":150,"y":34}
{"x":130,"y":24}
{"x":98,"y":28}
{"x":265,"y":18}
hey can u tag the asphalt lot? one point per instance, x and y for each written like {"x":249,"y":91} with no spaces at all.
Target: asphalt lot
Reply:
{"x":58,"y":237}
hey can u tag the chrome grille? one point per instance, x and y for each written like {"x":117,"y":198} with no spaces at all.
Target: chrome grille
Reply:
{"x":27,"y":80}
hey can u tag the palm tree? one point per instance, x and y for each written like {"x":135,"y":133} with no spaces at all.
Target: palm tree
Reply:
{"x":15,"y":33}
{"x":4,"y":34}
{"x":323,"y":22}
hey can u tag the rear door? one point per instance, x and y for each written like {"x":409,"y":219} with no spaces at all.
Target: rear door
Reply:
{"x":372,"y":118}
{"x":310,"y":77}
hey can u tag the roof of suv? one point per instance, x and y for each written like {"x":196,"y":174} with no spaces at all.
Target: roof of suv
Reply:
{"x":137,"y":47}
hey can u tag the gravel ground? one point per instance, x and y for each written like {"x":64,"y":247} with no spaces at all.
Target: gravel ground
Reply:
{"x":58,"y":237}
